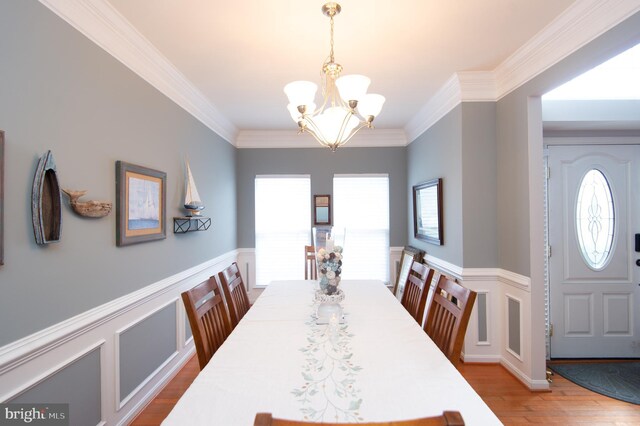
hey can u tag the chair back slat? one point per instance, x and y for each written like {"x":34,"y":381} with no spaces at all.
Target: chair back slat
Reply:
{"x":447,"y":418}
{"x":416,"y":289}
{"x":448,"y":317}
{"x":310,"y":268}
{"x":208,"y":318}
{"x":235,"y":293}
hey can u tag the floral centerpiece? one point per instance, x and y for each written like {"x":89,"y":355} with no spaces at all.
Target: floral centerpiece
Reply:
{"x":329,"y":261}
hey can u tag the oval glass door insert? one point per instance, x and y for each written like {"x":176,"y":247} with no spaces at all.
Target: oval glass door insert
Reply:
{"x":595,"y":219}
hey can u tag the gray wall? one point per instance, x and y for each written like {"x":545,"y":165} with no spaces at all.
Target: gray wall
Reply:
{"x":481,"y":150}
{"x":437,"y":153}
{"x":321,"y":164}
{"x":513,"y":139}
{"x":59,"y":91}
{"x":513,"y":185}
{"x":479,"y":180}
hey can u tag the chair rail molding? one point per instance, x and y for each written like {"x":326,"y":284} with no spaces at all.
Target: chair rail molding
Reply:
{"x":27,"y":362}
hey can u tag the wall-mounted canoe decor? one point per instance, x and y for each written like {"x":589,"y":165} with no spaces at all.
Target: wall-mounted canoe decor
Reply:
{"x":89,"y":208}
{"x":1,"y":197}
{"x":46,"y":202}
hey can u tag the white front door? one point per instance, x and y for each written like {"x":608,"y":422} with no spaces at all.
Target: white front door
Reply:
{"x":593,"y":276}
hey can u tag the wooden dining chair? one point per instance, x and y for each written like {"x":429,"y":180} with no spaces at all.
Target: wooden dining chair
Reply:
{"x":208,"y":318}
{"x":310,"y":269}
{"x":235,"y":293}
{"x":448,"y":317}
{"x":416,"y":289}
{"x":452,"y":418}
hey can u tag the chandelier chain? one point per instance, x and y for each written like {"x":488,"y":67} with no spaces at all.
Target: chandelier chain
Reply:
{"x":331,"y":52}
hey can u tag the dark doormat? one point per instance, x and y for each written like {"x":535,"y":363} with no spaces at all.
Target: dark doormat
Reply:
{"x":619,"y":380}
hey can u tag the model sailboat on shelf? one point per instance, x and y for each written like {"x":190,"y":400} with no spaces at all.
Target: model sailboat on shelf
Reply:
{"x":192,"y":201}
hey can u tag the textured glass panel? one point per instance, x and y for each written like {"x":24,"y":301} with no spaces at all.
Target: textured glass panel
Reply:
{"x":595,"y":219}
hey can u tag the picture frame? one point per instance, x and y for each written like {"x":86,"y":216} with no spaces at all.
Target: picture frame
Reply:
{"x":140,"y":204}
{"x":409,"y":255}
{"x":427,"y":211}
{"x":322,"y":209}
{"x":1,"y":197}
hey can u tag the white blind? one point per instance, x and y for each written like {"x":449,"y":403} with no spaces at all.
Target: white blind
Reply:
{"x":361,"y":205}
{"x":283,"y":218}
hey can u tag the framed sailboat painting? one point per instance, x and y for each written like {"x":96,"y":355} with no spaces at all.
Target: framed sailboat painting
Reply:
{"x":140,"y":204}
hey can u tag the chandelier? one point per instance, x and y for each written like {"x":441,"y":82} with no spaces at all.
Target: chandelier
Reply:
{"x":346,"y":107}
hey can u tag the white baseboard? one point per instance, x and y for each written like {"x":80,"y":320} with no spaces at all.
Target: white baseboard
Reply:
{"x":482,"y":359}
{"x":529,"y":382}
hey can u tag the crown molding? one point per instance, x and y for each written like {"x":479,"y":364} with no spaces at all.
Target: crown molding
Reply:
{"x":582,"y":22}
{"x":103,"y":25}
{"x":579,"y":24}
{"x":291,"y":139}
{"x":477,"y":86}
{"x":444,"y":100}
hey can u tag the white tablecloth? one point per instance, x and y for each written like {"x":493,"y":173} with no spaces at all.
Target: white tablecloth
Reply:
{"x":377,"y":366}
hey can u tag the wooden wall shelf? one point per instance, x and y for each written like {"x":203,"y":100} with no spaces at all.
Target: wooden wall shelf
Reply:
{"x":186,"y":224}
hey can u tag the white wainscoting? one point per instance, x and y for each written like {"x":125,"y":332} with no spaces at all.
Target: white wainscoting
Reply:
{"x":27,"y":362}
{"x":499,"y":286}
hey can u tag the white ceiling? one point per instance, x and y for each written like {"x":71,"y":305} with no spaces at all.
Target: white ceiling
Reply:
{"x":240,"y":54}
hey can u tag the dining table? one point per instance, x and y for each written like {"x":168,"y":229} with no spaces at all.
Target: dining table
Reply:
{"x":373,"y":364}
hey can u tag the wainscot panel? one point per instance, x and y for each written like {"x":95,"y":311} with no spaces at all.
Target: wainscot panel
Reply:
{"x":90,"y":372}
{"x":80,"y":380}
{"x":143,"y":348}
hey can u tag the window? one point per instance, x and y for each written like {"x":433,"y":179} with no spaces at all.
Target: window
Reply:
{"x":283,"y":218}
{"x":361,"y":205}
{"x":595,"y":219}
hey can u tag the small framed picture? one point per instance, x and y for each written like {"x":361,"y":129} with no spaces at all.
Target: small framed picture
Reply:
{"x":322,"y":209}
{"x":1,"y":197}
{"x":427,"y":211}
{"x":140,"y":204}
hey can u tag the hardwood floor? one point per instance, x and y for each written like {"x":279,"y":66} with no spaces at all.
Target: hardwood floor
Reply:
{"x":566,"y":404}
